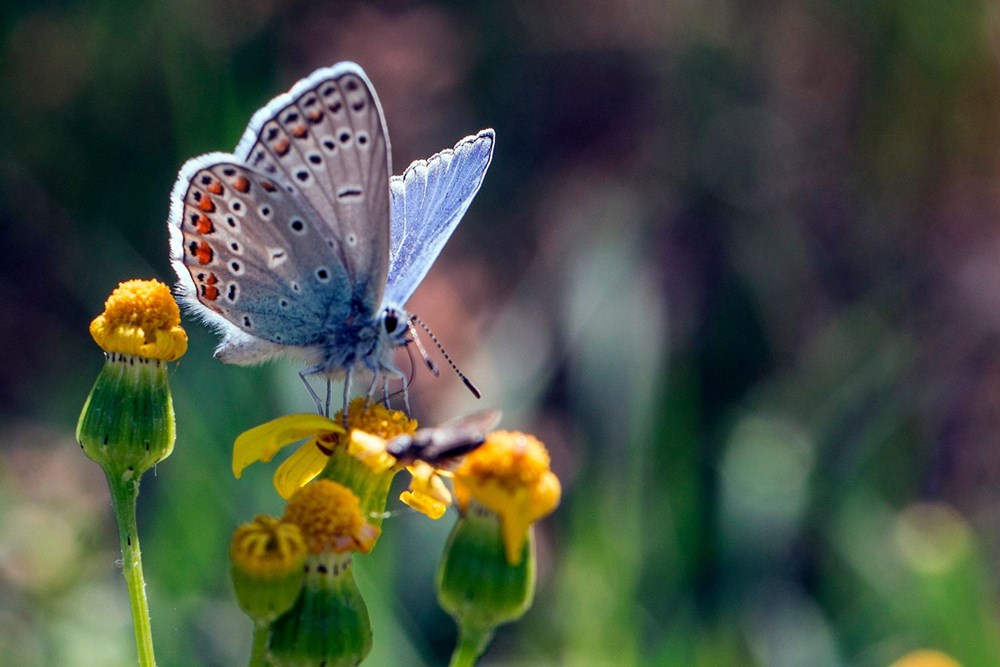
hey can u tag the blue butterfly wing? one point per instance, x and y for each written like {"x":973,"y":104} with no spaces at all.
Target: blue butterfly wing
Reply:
{"x":327,"y":136}
{"x":428,"y":202}
{"x":252,"y":255}
{"x":290,"y":233}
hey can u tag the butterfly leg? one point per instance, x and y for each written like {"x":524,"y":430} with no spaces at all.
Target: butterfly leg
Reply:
{"x":406,"y":396}
{"x":347,"y":392}
{"x":393,"y":372}
{"x":371,"y":389}
{"x":329,"y":396}
{"x":312,"y":393}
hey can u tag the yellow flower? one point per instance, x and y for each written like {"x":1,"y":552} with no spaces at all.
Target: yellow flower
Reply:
{"x":427,"y":492}
{"x":370,"y":450}
{"x":510,"y":476}
{"x":262,"y":442}
{"x":267,"y":548}
{"x":322,"y":435}
{"x":329,"y":516}
{"x":142,"y":319}
{"x":926,"y":658}
{"x":268,"y":559}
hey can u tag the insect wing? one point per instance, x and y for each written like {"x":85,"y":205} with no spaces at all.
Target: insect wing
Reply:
{"x":450,"y":440}
{"x":428,"y":201}
{"x":327,"y":136}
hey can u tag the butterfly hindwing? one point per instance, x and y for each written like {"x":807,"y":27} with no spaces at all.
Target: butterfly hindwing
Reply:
{"x":327,"y":136}
{"x":428,"y":202}
{"x":256,"y":255}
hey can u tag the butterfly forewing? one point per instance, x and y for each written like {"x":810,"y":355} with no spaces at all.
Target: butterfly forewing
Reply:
{"x":428,"y":202}
{"x":327,"y":137}
{"x":257,"y":253}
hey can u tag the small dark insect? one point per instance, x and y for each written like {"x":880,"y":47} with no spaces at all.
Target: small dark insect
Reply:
{"x":450,"y":440}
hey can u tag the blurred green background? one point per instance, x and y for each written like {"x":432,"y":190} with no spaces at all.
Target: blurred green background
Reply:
{"x":735,"y":263}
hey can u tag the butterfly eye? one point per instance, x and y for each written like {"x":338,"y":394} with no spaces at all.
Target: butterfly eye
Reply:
{"x":391,"y":321}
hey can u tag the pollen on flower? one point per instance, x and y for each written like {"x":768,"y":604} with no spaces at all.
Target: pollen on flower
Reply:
{"x":512,"y":459}
{"x":141,"y":318}
{"x":376,"y":419}
{"x":329,"y":516}
{"x":509,"y":475}
{"x":268,"y":548}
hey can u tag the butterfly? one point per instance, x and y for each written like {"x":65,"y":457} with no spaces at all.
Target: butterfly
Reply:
{"x":300,"y":243}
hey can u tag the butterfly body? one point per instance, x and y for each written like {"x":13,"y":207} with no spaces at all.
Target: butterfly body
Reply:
{"x":300,"y":243}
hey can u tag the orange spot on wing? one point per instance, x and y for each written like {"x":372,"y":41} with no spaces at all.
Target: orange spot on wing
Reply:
{"x":315,"y":116}
{"x":215,"y":188}
{"x":210,"y":292}
{"x":203,"y":224}
{"x":242,"y":184}
{"x":201,"y":251}
{"x":212,"y":279}
{"x":299,"y":131}
{"x":281,"y":146}
{"x":207,"y":205}
{"x":269,"y":186}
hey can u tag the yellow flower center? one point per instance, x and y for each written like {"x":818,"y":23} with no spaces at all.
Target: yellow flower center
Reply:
{"x":267,"y":548}
{"x":511,"y":459}
{"x":376,"y":419}
{"x":509,"y":475}
{"x":141,"y":318}
{"x":329,"y":516}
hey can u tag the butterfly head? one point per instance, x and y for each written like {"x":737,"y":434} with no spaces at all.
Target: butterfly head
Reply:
{"x":394,"y":325}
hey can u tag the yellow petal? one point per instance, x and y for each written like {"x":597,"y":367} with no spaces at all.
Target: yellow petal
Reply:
{"x":518,"y":508}
{"x":370,"y":450}
{"x":427,"y":493}
{"x":426,"y":505}
{"x":141,"y":318}
{"x":299,"y":469}
{"x":262,"y":442}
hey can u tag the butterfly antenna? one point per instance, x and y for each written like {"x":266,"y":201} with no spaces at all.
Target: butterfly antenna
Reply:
{"x":420,"y":346}
{"x":468,"y":383}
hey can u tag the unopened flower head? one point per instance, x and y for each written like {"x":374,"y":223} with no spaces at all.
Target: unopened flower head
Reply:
{"x":329,"y":516}
{"x":141,"y":319}
{"x":127,"y":423}
{"x":329,"y":622}
{"x":268,"y":556}
{"x":487,"y":572}
{"x":510,"y":476}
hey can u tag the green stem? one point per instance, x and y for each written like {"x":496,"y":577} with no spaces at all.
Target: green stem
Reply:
{"x":259,"y":652}
{"x":472,"y":642}
{"x":124,"y":493}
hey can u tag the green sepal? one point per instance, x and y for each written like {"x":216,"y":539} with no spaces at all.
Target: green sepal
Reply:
{"x":329,"y":623}
{"x":127,"y":422}
{"x":475,"y":583}
{"x":371,"y":488}
{"x":265,"y":598}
